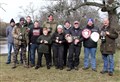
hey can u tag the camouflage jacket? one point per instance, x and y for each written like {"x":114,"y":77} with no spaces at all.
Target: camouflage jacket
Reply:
{"x":18,"y":31}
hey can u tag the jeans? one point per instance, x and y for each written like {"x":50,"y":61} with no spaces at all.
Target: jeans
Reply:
{"x":10,"y":46}
{"x":92,"y":53}
{"x":33,"y":48}
{"x":108,"y":62}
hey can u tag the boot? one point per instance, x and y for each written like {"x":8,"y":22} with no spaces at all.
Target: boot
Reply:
{"x":14,"y":66}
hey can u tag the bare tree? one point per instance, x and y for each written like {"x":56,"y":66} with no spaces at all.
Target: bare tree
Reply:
{"x":2,"y":7}
{"x":29,"y":10}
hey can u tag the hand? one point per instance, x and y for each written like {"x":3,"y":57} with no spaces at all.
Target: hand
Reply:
{"x":60,"y":42}
{"x":56,"y":41}
{"x":107,"y":33}
{"x":45,"y":41}
{"x":41,"y":41}
{"x":76,"y":41}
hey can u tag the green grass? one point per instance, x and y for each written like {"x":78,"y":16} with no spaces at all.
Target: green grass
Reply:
{"x":21,"y":74}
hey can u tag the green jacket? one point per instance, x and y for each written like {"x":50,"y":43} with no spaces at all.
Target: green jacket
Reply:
{"x":18,"y":31}
{"x":44,"y":47}
{"x":50,"y":25}
{"x":108,"y":47}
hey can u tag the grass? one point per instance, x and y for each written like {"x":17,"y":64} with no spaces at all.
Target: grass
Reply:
{"x":21,"y":74}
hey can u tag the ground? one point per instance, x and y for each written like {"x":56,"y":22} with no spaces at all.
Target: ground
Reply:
{"x":21,"y":74}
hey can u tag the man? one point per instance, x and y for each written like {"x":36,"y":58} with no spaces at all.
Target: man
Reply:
{"x":10,"y":39}
{"x":74,"y":46}
{"x":90,"y":46}
{"x":20,"y":34}
{"x":51,"y":24}
{"x":34,"y":33}
{"x":66,"y":29}
{"x":29,"y":22}
{"x":107,"y":48}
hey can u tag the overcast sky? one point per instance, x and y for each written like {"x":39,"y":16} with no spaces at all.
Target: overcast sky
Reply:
{"x":12,"y":7}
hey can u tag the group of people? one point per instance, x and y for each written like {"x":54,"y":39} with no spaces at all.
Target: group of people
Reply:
{"x":61,"y":44}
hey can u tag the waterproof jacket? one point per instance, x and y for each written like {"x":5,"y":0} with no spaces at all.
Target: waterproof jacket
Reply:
{"x":108,"y":47}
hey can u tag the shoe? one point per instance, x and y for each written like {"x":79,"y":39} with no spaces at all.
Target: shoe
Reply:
{"x":85,"y":68}
{"x":13,"y":67}
{"x":36,"y":67}
{"x":94,"y":70}
{"x":7,"y":62}
{"x":110,"y":73}
{"x":103,"y":72}
{"x":76,"y":68}
{"x":69,"y":69}
{"x":48,"y":67}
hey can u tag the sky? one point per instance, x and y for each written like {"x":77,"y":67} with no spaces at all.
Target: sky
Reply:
{"x":12,"y":8}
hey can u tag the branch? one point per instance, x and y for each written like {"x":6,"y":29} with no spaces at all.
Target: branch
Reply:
{"x":87,"y":4}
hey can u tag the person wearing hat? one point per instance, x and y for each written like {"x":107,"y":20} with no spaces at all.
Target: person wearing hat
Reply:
{"x":75,"y":46}
{"x":58,"y":40}
{"x":20,"y":35}
{"x":10,"y":39}
{"x":90,"y":46}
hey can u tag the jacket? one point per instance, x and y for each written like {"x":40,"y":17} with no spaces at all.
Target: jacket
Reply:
{"x":108,"y":46}
{"x":18,"y":31}
{"x":51,"y":26}
{"x":44,"y":47}
{"x":89,"y":43}
{"x":9,"y":34}
{"x":76,"y":33}
{"x":59,"y":37}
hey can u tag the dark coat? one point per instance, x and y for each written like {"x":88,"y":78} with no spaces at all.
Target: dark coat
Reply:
{"x":108,"y":47}
{"x":61,"y":37}
{"x":89,"y":43}
{"x":44,"y":47}
{"x":76,"y":33}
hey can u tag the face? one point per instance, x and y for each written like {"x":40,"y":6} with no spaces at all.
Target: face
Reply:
{"x":28,"y":19}
{"x":67,"y":25}
{"x":76,"y":25}
{"x":50,"y":18}
{"x":22,"y":22}
{"x":90,"y":23}
{"x":106,"y":22}
{"x":45,"y":32}
{"x":59,"y":30}
{"x":12,"y":24}
{"x":36,"y":25}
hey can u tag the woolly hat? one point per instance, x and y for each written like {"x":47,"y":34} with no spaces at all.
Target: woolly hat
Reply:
{"x":12,"y":20}
{"x":60,"y":26}
{"x":90,"y":19}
